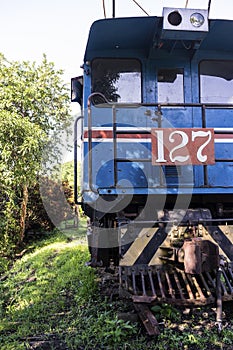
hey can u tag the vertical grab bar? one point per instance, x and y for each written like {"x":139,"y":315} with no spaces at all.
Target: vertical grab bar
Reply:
{"x":76,"y":159}
{"x":114,"y":125}
{"x":89,"y":125}
{"x":89,"y":131}
{"x":203,"y":117}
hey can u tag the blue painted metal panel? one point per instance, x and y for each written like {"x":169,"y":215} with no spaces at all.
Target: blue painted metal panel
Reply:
{"x":221,"y":175}
{"x":139,"y":34}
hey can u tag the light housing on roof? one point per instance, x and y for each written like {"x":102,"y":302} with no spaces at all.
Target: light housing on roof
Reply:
{"x":184,"y":23}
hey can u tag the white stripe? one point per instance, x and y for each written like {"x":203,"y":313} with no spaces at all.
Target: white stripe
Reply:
{"x":223,"y":140}
{"x":223,"y":129}
{"x":137,"y":140}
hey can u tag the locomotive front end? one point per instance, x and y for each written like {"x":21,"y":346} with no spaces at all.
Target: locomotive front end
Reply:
{"x":157,"y":179}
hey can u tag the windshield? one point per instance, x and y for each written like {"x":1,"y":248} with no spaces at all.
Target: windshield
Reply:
{"x":119,"y":80}
{"x":216,"y":81}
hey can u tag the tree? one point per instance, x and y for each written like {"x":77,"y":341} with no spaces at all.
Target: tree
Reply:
{"x":21,"y":144}
{"x":34,"y":110}
{"x":35,"y":91}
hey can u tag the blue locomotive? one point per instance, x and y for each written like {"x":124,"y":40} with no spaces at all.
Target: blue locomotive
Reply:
{"x":157,"y":154}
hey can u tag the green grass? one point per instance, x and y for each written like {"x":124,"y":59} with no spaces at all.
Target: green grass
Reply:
{"x":50,"y":294}
{"x":51,"y":300}
{"x":44,"y":288}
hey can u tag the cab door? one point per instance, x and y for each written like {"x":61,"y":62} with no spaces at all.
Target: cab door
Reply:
{"x":173,"y":91}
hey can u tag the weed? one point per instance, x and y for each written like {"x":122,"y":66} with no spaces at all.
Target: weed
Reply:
{"x":166,"y":312}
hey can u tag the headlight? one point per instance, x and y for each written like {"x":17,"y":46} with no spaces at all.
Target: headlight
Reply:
{"x":197,"y":19}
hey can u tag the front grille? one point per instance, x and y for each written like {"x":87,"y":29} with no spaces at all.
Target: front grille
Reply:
{"x":149,"y":284}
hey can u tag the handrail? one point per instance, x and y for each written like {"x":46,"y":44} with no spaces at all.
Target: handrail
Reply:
{"x":76,"y":159}
{"x":161,"y":104}
{"x":89,"y":125}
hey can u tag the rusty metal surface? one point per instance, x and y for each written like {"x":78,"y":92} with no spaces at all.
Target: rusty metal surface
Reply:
{"x":200,"y":256}
{"x":148,"y":319}
{"x":159,"y":285}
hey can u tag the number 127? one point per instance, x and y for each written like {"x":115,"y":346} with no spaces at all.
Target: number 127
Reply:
{"x":182,"y":146}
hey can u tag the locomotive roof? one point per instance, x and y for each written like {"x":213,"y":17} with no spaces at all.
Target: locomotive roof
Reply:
{"x":140,"y":34}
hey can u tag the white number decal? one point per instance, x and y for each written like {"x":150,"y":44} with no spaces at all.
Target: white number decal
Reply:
{"x":183,"y":143}
{"x":160,"y":158}
{"x":200,"y":133}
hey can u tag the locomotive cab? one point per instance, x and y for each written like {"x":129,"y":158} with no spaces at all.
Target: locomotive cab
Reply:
{"x":157,"y":149}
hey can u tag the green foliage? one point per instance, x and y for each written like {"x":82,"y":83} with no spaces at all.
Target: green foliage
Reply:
{"x":118,"y":330}
{"x":35,"y":91}
{"x":98,"y":327}
{"x":34,"y":116}
{"x":166,"y":312}
{"x":4,"y":265}
{"x":68,"y":172}
{"x":37,"y":217}
{"x":21,"y":144}
{"x":68,"y":180}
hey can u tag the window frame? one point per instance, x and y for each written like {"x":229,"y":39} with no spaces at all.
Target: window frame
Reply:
{"x":200,"y":83}
{"x":121,"y":59}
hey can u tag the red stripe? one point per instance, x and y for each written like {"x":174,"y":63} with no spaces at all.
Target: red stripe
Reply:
{"x":223,"y":136}
{"x":100,"y":134}
{"x":108,"y":134}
